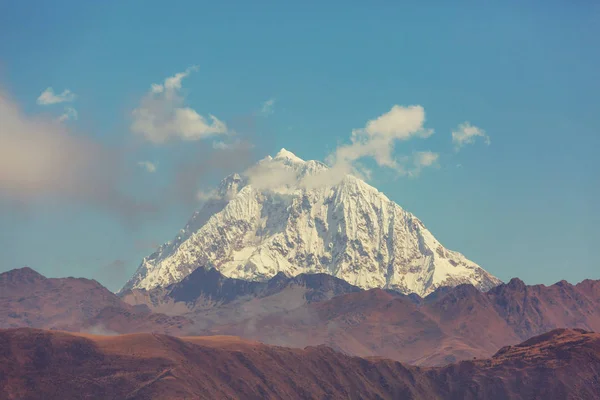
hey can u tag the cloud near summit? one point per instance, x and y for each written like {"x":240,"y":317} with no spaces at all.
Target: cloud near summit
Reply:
{"x":162,"y":115}
{"x":375,"y":141}
{"x":378,"y":138}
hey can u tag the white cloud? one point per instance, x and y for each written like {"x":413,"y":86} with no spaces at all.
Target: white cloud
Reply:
{"x":422,"y":159}
{"x":69,"y":114}
{"x":172,"y":83}
{"x":162,"y":115}
{"x":267,"y":107}
{"x":271,"y":176}
{"x":399,"y":123}
{"x":40,"y":158}
{"x":425,"y":158}
{"x":466,"y":133}
{"x":49,"y":97}
{"x":376,"y":141}
{"x":378,"y":137}
{"x":220,"y":145}
{"x":330,"y":177}
{"x":40,"y":155}
{"x":148,"y":166}
{"x":274,"y":175}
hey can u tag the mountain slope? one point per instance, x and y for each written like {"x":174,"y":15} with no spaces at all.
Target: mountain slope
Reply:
{"x":284,"y":215}
{"x":211,"y":299}
{"x":562,"y":364}
{"x":376,"y":323}
{"x":532,"y":310}
{"x":450,"y":324}
{"x":28,"y":299}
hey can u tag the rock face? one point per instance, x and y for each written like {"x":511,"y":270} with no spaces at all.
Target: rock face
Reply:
{"x":291,"y":216}
{"x":34,"y":364}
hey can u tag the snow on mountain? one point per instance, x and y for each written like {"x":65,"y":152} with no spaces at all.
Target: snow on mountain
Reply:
{"x":269,"y":220}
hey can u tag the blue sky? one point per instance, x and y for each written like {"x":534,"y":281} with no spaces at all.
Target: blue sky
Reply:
{"x":526,"y":75}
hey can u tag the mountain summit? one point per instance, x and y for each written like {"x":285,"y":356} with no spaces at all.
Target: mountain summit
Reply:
{"x":287,"y":215}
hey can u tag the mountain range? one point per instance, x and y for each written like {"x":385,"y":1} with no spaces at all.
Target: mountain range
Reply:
{"x":561,"y":364}
{"x":451,"y":324}
{"x":286,"y":215}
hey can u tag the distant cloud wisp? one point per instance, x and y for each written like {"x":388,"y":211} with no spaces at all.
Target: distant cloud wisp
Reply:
{"x":49,"y":97}
{"x":466,"y":133}
{"x":267,"y":108}
{"x":69,"y":114}
{"x":148,"y":166}
{"x":162,"y":115}
{"x":423,"y":159}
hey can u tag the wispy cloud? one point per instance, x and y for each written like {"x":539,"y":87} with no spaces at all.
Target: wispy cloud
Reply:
{"x":162,"y":115}
{"x":231,"y":144}
{"x":208,"y":163}
{"x":220,"y":145}
{"x":466,"y":133}
{"x":267,"y":107}
{"x":49,"y":97}
{"x":100,"y":330}
{"x":40,"y":157}
{"x":69,"y":114}
{"x":271,"y":176}
{"x":148,"y":166}
{"x":423,"y":159}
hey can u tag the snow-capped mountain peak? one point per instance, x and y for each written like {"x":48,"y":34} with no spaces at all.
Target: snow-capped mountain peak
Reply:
{"x":267,"y":221}
{"x":285,"y":155}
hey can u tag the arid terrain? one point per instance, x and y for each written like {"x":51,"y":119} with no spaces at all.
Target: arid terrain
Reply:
{"x":27,"y":298}
{"x":35,"y":364}
{"x":451,"y":324}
